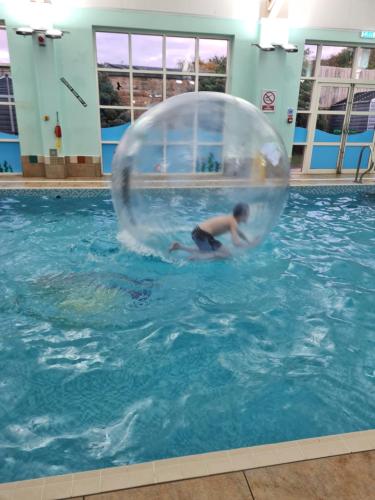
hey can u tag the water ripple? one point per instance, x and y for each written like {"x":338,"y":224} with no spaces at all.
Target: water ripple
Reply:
{"x":110,"y":357}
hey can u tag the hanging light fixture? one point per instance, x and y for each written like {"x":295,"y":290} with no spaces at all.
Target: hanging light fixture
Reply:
{"x":40,"y":16}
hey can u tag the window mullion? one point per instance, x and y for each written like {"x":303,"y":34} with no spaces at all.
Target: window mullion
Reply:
{"x":131,"y":79}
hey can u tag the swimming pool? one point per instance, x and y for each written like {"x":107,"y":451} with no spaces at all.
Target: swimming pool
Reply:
{"x":109,"y":357}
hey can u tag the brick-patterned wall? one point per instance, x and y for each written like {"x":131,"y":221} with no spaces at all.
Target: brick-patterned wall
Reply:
{"x":60,"y":167}
{"x":33,"y":166}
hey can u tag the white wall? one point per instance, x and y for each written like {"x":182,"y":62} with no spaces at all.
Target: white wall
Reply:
{"x":232,"y":9}
{"x":339,"y":14}
{"x":344,"y":14}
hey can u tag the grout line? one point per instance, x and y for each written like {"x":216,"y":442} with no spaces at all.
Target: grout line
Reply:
{"x":248,"y":485}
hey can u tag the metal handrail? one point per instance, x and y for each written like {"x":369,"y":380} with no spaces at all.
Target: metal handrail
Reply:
{"x":359,"y":181}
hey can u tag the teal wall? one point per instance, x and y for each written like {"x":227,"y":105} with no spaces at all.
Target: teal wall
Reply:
{"x":37,"y":71}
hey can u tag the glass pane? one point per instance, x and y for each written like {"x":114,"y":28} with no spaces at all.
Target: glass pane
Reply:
{"x":8,"y":122}
{"x":6,"y":86}
{"x":333,"y":98}
{"x":324,"y":157}
{"x":352,"y":156}
{"x":336,"y":62}
{"x":364,"y":99}
{"x":108,"y":150}
{"x":147,"y":89}
{"x":180,"y":129}
{"x":305,"y":91}
{"x":297,"y":157}
{"x":114,"y":89}
{"x":366,"y":64}
{"x":209,"y":159}
{"x":4,"y":51}
{"x":361,"y":128}
{"x":147,"y":52}
{"x":211,"y":84}
{"x":329,"y":128}
{"x":180,"y":54}
{"x":114,"y":123}
{"x":213,"y":56}
{"x":10,"y":157}
{"x":179,"y":159}
{"x":309,"y":60}
{"x":179,"y":85}
{"x":210,"y":126}
{"x":112,"y":50}
{"x":300,"y":132}
{"x":150,"y":159}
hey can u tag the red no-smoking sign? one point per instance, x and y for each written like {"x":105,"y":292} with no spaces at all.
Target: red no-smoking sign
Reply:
{"x":268,"y":100}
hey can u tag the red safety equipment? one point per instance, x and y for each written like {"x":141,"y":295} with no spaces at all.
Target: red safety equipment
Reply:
{"x":58,"y":133}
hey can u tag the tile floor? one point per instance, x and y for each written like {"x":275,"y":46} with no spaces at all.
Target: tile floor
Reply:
{"x":344,"y":477}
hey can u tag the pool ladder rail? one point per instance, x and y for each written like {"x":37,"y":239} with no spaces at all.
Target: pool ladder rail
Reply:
{"x":358,"y":178}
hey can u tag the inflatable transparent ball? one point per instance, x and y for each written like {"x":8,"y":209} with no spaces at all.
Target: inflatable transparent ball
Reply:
{"x":192,"y":157}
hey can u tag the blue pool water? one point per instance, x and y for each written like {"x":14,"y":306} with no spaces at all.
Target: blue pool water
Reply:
{"x":108,"y":357}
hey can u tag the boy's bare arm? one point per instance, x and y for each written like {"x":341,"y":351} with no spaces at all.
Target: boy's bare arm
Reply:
{"x":239,"y":235}
{"x":242,"y":236}
{"x":235,"y":233}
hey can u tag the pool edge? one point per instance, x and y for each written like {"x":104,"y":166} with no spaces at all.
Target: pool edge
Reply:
{"x":188,"y":467}
{"x":18,"y":182}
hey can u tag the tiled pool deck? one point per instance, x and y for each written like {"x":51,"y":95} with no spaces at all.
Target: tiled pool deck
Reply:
{"x":290,"y":470}
{"x":331,"y":467}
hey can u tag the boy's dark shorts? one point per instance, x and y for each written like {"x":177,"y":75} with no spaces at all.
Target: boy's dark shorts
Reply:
{"x":205,"y":241}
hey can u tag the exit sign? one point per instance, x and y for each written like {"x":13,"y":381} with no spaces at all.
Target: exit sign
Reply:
{"x":367,"y":34}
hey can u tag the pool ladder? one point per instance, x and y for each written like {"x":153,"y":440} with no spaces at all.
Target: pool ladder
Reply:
{"x":358,"y":178}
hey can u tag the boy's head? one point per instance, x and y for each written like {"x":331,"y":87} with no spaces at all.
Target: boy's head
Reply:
{"x":241,"y":212}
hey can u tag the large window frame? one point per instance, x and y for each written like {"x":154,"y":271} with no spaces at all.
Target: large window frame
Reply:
{"x":164,"y":73}
{"x":317,"y":81}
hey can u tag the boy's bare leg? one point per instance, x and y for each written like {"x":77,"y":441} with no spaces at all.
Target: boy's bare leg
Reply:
{"x":220,"y":254}
{"x":178,"y":246}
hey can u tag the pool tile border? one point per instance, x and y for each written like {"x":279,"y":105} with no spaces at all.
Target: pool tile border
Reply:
{"x":193,"y":466}
{"x":102,"y":192}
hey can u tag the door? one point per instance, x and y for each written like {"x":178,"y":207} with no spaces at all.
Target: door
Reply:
{"x":359,"y":130}
{"x":342,"y":124}
{"x":328,"y":125}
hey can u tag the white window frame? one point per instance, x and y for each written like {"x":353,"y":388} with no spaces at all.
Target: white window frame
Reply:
{"x":196,"y":74}
{"x":313,"y":111}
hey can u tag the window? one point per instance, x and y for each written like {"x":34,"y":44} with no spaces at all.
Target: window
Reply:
{"x":180,"y":54}
{"x":336,"y":62}
{"x":9,"y":145}
{"x":330,"y":64}
{"x":213,"y":56}
{"x":136,"y":71}
{"x":309,"y":60}
{"x":147,"y":52}
{"x":112,"y":50}
{"x":366,"y":64}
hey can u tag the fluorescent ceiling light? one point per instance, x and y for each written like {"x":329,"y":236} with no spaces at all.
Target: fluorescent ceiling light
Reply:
{"x":54,"y":33}
{"x":289,"y":47}
{"x":25,"y":31}
{"x":265,"y":46}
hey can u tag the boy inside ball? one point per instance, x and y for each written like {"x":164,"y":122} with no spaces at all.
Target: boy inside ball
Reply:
{"x":208,"y":247}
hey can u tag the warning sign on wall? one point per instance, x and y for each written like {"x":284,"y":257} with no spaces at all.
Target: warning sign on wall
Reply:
{"x":268,"y":101}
